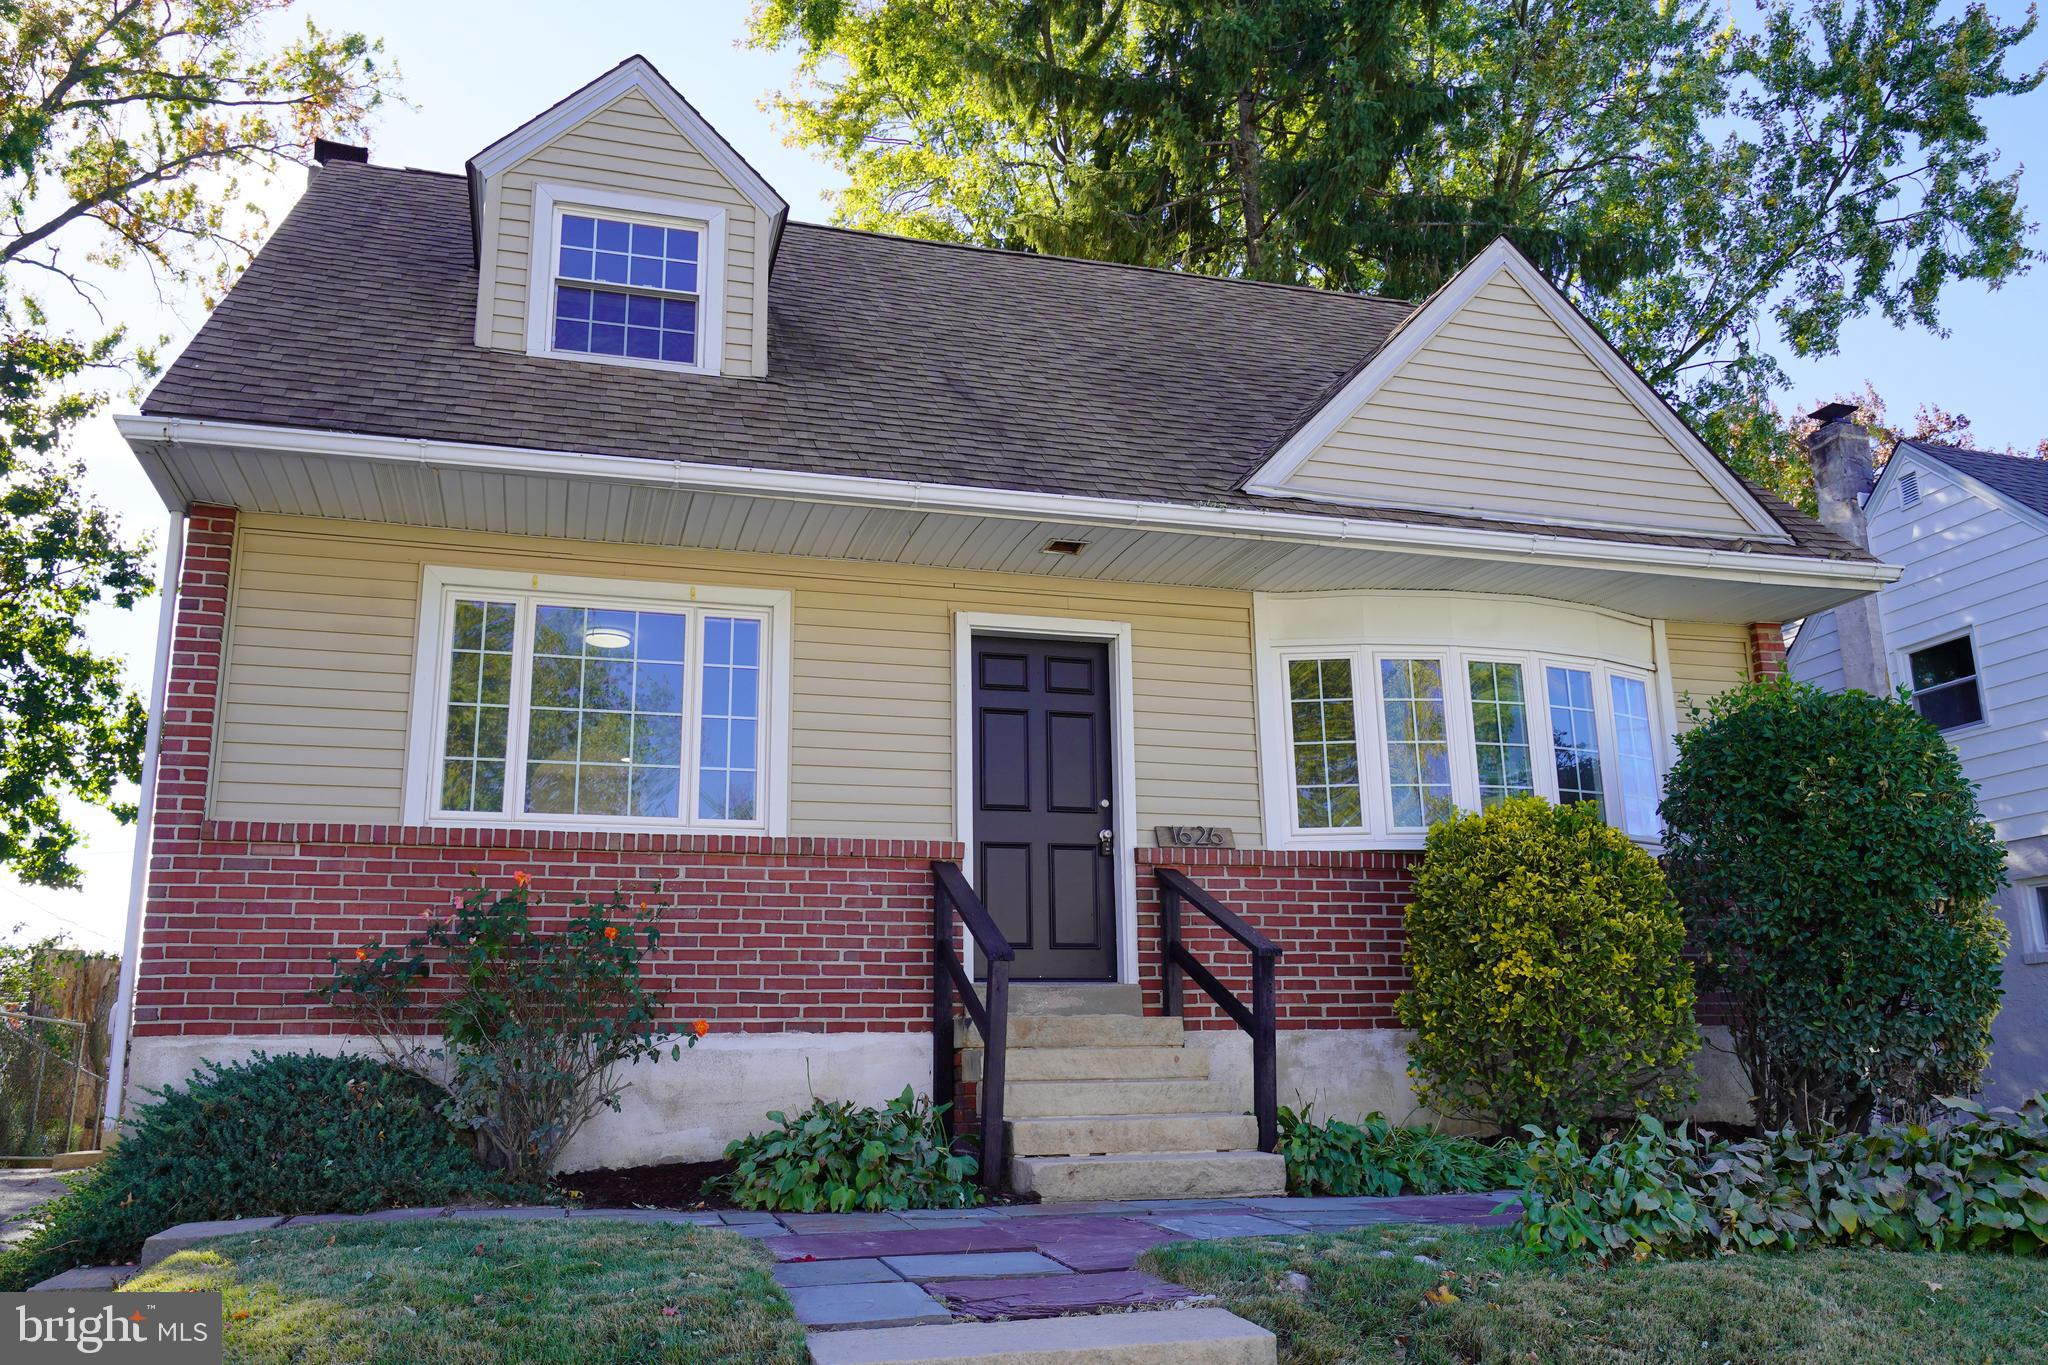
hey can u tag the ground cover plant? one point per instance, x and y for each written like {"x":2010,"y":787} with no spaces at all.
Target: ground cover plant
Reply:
{"x":528,"y":1023}
{"x":577,"y":1291}
{"x":1431,"y":1296}
{"x":1970,"y":1180}
{"x":838,"y":1157}
{"x":1376,"y":1156}
{"x":1549,"y":985}
{"x":292,"y":1133}
{"x":1837,"y":880}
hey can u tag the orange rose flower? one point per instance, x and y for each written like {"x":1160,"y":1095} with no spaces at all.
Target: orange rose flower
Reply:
{"x":701,"y":1027}
{"x":520,"y":878}
{"x":611,"y":931}
{"x":362,"y":953}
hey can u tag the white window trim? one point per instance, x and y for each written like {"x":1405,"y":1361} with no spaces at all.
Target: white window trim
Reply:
{"x":551,"y":201}
{"x":2032,"y":934}
{"x":1902,"y":669}
{"x":1123,"y":749}
{"x":426,"y":731}
{"x":1276,"y":742}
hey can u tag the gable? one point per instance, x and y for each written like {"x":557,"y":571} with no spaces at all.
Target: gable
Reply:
{"x":1497,"y":400}
{"x":627,"y":141}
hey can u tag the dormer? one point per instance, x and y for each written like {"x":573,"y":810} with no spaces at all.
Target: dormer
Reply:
{"x":619,"y":228}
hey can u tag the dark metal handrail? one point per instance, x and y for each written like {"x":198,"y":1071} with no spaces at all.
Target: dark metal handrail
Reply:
{"x":1260,"y":1021}
{"x":952,"y":895}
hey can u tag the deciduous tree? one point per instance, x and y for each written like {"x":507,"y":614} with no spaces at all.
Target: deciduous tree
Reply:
{"x":126,"y":127}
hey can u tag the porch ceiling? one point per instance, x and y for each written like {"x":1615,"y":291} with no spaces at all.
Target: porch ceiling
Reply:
{"x":658,"y":503}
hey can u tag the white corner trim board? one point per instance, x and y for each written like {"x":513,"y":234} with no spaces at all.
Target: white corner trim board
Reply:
{"x":1413,"y":334}
{"x":1728,"y":564}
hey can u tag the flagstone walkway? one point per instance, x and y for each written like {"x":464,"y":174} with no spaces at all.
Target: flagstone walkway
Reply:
{"x":1037,"y":1260}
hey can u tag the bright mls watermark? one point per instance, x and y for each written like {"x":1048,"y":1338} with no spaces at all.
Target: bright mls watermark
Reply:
{"x":164,"y":1329}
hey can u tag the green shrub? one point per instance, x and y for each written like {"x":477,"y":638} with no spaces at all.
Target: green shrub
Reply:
{"x":1836,"y":878}
{"x":1377,"y":1157}
{"x":1969,"y":1181}
{"x":1549,"y":986}
{"x":536,"y":1027}
{"x":292,"y":1133}
{"x":836,"y":1158}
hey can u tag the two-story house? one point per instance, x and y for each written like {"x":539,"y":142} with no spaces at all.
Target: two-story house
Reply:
{"x":580,"y":514}
{"x":1965,"y":628}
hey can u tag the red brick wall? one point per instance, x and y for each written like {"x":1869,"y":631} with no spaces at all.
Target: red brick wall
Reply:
{"x":241,"y":919}
{"x":1766,"y":649}
{"x":1336,"y":917}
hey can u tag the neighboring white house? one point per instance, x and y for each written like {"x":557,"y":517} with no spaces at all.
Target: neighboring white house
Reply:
{"x":1966,"y":628}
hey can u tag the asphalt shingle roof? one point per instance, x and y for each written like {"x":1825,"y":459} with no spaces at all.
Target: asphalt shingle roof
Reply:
{"x":888,"y":358}
{"x":2023,"y":478}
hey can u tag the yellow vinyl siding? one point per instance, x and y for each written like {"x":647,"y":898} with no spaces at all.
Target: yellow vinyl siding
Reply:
{"x":1502,"y":413}
{"x":1706,"y":660}
{"x":630,"y":147}
{"x":324,"y":615}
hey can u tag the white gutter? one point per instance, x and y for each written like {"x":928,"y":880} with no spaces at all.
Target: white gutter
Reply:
{"x":138,"y":874}
{"x":1014,"y":504}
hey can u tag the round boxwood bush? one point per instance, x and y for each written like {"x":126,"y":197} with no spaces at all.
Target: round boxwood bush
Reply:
{"x":292,"y":1133}
{"x":1549,"y":987}
{"x":1837,"y":878}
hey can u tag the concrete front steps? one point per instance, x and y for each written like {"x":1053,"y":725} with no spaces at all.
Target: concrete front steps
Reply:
{"x":1108,"y":1104}
{"x":1177,"y":1336}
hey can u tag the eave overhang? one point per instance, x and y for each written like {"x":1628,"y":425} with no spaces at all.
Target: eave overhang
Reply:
{"x":626,"y":499}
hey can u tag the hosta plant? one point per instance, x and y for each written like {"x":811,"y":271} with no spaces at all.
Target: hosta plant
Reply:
{"x":838,"y":1157}
{"x":1378,"y":1157}
{"x":1970,"y":1180}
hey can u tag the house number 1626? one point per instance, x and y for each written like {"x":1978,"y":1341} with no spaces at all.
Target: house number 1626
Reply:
{"x":1194,"y":836}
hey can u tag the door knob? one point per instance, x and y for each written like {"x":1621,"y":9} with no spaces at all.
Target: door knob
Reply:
{"x":1107,"y":837}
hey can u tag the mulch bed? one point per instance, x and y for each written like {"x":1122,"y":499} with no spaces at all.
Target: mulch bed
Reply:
{"x":673,"y":1185}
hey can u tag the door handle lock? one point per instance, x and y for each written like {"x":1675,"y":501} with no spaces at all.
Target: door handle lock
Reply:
{"x":1107,"y":838}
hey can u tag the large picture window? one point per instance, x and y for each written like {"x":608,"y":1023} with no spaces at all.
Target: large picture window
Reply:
{"x":568,"y":707}
{"x":1384,"y":741}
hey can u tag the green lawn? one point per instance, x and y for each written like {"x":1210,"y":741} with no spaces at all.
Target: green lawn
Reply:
{"x":1363,"y":1296}
{"x":582,"y":1292}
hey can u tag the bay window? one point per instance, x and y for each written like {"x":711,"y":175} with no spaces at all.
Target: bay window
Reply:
{"x":1384,"y":741}
{"x":568,"y":703}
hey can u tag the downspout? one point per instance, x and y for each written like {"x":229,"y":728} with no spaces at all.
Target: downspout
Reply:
{"x":138,"y":876}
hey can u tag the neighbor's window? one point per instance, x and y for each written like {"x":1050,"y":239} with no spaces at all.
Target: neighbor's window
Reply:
{"x":627,"y":288}
{"x":2041,"y":915}
{"x":604,"y":711}
{"x":1500,"y":731}
{"x":1325,"y":720}
{"x":1574,"y":735}
{"x":1945,"y":683}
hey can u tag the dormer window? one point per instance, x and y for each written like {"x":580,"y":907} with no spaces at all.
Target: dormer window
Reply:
{"x":625,"y":288}
{"x":631,"y":280}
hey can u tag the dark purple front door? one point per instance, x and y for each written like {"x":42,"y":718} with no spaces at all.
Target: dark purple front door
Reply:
{"x":1042,"y":804}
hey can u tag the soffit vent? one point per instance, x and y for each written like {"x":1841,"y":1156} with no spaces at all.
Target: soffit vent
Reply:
{"x":1909,"y":488}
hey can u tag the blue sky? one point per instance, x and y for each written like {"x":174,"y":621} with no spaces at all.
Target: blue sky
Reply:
{"x":474,"y":70}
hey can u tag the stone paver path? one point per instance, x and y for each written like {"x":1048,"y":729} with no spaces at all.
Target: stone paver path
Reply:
{"x":1041,"y":1260}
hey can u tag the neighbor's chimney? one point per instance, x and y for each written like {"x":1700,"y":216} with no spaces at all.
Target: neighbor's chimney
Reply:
{"x":1840,"y":450}
{"x":327,"y":149}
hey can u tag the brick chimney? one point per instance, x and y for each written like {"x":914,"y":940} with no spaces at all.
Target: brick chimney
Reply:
{"x":1842,"y":479}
